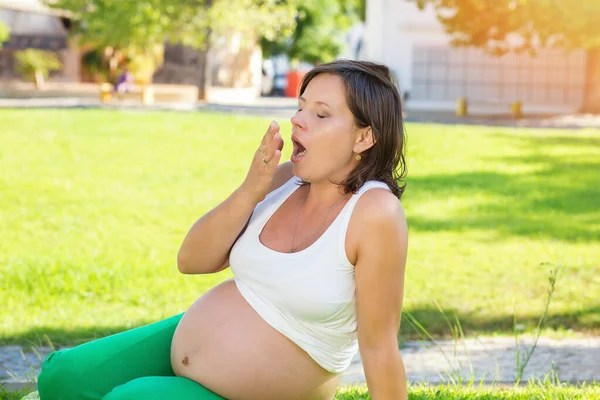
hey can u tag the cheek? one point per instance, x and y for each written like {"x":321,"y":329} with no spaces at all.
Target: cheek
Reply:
{"x":333,"y":153}
{"x":334,"y":145}
{"x":340,"y":142}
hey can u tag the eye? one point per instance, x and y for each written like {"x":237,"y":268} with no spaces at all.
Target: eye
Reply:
{"x":318,"y":115}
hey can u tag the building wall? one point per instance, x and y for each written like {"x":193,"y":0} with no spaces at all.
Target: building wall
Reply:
{"x":38,"y":29}
{"x":416,"y":48}
{"x":393,"y":28}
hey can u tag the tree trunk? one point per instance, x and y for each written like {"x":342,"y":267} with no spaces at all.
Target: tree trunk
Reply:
{"x":39,"y":80}
{"x":591,"y":102}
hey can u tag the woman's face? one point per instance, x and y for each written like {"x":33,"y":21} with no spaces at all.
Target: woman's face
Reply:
{"x":323,"y":132}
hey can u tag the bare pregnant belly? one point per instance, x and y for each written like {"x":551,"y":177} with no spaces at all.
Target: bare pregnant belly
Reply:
{"x":224,"y":345}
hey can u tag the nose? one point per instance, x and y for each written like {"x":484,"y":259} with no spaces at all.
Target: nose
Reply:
{"x":297,"y":120}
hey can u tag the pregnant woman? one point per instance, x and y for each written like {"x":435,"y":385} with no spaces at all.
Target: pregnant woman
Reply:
{"x":317,"y":247}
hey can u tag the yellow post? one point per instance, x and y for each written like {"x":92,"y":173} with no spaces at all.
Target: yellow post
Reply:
{"x":516,"y":109}
{"x":462,"y":107}
{"x":106,"y":92}
{"x":147,"y":95}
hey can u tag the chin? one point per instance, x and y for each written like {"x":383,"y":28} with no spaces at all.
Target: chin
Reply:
{"x":301,"y":172}
{"x":298,"y":172}
{"x":318,"y":173}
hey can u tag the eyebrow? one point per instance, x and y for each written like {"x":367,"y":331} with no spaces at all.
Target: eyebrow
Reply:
{"x":318,"y":102}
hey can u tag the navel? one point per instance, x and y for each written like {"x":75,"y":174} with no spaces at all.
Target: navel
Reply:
{"x":185,"y":361}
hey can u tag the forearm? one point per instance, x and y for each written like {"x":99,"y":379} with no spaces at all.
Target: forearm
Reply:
{"x":385,"y":373}
{"x":207,"y":244}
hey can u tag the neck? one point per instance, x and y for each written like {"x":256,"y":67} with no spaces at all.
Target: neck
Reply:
{"x":320,"y":195}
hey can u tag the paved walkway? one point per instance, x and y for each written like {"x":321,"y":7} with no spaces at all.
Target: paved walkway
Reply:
{"x":284,"y":107}
{"x":491,"y":360}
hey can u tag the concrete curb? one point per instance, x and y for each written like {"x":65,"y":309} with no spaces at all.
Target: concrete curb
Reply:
{"x":14,"y":386}
{"x":492,"y":359}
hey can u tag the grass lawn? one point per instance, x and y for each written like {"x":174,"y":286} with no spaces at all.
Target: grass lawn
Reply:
{"x":529,"y":392}
{"x":94,"y":204}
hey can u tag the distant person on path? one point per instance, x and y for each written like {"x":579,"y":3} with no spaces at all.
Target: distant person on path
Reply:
{"x":124,"y":83}
{"x":317,"y":247}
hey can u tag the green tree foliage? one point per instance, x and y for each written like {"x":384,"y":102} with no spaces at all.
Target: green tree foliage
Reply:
{"x":319,"y":33}
{"x":501,"y":26}
{"x":145,"y":23}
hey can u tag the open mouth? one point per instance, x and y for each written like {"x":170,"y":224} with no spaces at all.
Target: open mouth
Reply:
{"x":299,"y":150}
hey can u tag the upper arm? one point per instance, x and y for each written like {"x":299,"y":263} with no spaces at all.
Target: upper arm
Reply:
{"x":283,"y":173}
{"x":379,"y":270}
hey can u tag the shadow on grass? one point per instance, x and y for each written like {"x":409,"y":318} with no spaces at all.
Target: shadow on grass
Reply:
{"x":582,"y":320}
{"x":558,"y":199}
{"x":543,"y":141}
{"x":45,"y":335}
{"x":585,"y":320}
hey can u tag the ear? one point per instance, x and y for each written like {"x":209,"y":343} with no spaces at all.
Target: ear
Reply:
{"x":364,"y":140}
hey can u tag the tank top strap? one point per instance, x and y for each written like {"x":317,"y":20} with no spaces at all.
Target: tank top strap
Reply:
{"x":279,"y":195}
{"x":347,"y":212}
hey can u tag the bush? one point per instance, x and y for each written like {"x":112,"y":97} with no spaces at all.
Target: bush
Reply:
{"x":36,"y":65}
{"x":4,"y":33}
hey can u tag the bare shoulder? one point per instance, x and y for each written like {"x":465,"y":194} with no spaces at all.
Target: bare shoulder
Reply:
{"x":378,"y":219}
{"x":379,"y":206}
{"x":283,"y":173}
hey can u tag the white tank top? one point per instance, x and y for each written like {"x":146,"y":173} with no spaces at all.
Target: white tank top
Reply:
{"x":308,"y":296}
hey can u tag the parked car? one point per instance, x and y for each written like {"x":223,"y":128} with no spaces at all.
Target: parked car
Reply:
{"x":274,"y":75}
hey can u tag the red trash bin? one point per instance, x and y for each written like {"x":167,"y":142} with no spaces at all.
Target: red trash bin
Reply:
{"x":294,"y":78}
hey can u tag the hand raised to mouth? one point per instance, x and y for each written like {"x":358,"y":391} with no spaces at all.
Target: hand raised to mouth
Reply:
{"x":265,"y":162}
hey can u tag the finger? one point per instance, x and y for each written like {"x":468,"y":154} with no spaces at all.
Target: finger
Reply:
{"x":268,"y":137}
{"x":263,"y":149}
{"x":272,"y":162}
{"x":276,"y":158}
{"x":275,"y":145}
{"x":273,"y":134}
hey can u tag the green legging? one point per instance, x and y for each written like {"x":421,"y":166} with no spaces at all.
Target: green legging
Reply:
{"x":131,"y":365}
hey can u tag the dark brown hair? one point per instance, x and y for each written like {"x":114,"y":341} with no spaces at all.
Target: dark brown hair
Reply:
{"x":375,"y":101}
